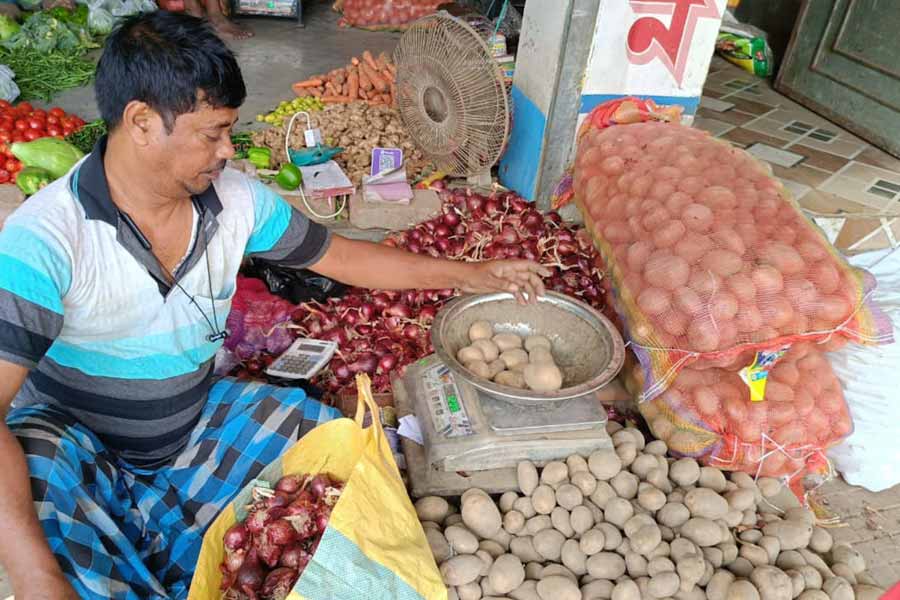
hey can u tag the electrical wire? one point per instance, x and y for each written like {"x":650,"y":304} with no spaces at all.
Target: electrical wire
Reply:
{"x":287,"y":153}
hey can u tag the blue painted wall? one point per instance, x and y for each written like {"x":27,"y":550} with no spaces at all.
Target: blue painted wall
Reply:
{"x":519,"y":165}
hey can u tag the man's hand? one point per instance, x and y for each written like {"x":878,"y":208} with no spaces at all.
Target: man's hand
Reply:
{"x":53,"y":586}
{"x":522,"y":278}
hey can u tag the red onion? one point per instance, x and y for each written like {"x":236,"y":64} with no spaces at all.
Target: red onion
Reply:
{"x":441,"y":231}
{"x":233,"y":559}
{"x":278,"y":583}
{"x":412,"y":331}
{"x":474,"y":203}
{"x":399,"y":310}
{"x":281,"y":533}
{"x":415,"y":235}
{"x":367,"y":310}
{"x":341,"y":370}
{"x":387,"y":362}
{"x":294,"y":557}
{"x":491,"y":207}
{"x":414,"y":247}
{"x":365,"y":363}
{"x":250,"y":576}
{"x":317,"y":485}
{"x":451,"y":218}
{"x":236,"y":537}
{"x":321,"y":523}
{"x":336,"y":335}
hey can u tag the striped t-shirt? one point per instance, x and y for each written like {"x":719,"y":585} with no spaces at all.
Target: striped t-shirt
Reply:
{"x":86,"y":306}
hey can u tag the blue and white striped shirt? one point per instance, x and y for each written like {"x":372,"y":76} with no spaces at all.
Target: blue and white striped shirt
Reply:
{"x":86,"y":306}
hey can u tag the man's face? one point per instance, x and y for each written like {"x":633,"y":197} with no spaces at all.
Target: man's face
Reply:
{"x":193,"y":155}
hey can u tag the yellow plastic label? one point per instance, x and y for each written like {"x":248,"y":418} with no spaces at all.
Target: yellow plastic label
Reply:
{"x":757,"y":373}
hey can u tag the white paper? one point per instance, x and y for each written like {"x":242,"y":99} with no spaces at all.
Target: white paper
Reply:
{"x":410,"y":429}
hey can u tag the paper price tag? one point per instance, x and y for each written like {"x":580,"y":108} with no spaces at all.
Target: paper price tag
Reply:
{"x":312,"y":137}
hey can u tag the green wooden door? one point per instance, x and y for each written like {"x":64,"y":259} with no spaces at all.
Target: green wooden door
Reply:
{"x":843,"y":61}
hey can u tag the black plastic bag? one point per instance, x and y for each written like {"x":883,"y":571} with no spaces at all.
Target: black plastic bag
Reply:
{"x":295,"y":285}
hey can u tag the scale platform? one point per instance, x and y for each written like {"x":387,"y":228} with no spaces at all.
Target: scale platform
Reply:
{"x":467,"y":430}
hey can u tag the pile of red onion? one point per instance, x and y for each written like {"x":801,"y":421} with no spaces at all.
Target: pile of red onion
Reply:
{"x":266,"y":553}
{"x":378,"y":331}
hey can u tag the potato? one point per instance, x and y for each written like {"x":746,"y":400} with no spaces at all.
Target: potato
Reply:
{"x":606,"y":565}
{"x":800,"y":514}
{"x":790,"y":559}
{"x":656,"y":448}
{"x":510,"y":379}
{"x":635,"y":523}
{"x":626,"y":590}
{"x":816,"y":561}
{"x":573,"y":558}
{"x":705,"y":503}
{"x":652,"y":499}
{"x":847,"y":555}
{"x":524,"y":506}
{"x":646,"y":539}
{"x":717,"y":587}
{"x":481,"y":516}
{"x":701,"y":531}
{"x":685,"y":472}
{"x":461,"y":540}
{"x":625,"y":484}
{"x":542,"y":377}
{"x":604,"y":464}
{"x":557,"y":587}
{"x":488,"y":349}
{"x":440,"y":549}
{"x":554,"y":473}
{"x":599,"y":589}
{"x":755,"y":554}
{"x":541,"y":356}
{"x":526,"y":477}
{"x":838,"y":588}
{"x":470,"y":591}
{"x":487,"y":560}
{"x":617,"y":511}
{"x":643,"y":464}
{"x":432,"y":508}
{"x":513,"y":522}
{"x":537,"y":341}
{"x":524,"y":548}
{"x":526,"y":591}
{"x":506,"y":574}
{"x":813,"y":595}
{"x":713,"y":556}
{"x":491,"y":547}
{"x":611,"y":535}
{"x":538,"y":523}
{"x":555,"y":569}
{"x":791,"y":534}
{"x":469,"y":354}
{"x":561,"y":521}
{"x":635,"y":565}
{"x":690,"y":569}
{"x":660,"y":480}
{"x":812,"y":578}
{"x":543,"y":499}
{"x":712,"y":478}
{"x":772,"y":583}
{"x":842,"y":570}
{"x":663,"y":585}
{"x":741,"y":499}
{"x":742,"y":590}
{"x":772,"y":547}
{"x":682,"y":547}
{"x":507,"y":341}
{"x":481,"y":330}
{"x":534,"y":570}
{"x":568,"y":496}
{"x":454,"y":519}
{"x":548,"y":544}
{"x":820,"y":541}
{"x":584,"y":481}
{"x":461,"y":569}
{"x":479,"y":368}
{"x":582,"y":519}
{"x":592,"y":541}
{"x":729,"y":552}
{"x":673,"y":514}
{"x":867,"y":592}
{"x":603,"y":494}
{"x":798,"y":583}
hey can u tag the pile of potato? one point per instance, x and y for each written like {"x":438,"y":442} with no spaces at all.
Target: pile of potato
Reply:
{"x":507,"y":359}
{"x":629,"y":524}
{"x":357,"y":128}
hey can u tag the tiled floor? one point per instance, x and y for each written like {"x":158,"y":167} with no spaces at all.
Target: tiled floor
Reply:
{"x":849,"y":187}
{"x":853,"y":191}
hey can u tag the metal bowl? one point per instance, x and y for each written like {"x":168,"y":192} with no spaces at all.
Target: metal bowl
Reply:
{"x":586,"y":346}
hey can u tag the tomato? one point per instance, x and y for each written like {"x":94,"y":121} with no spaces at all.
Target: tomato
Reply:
{"x":25,"y":107}
{"x":67,"y":130}
{"x":35,"y":123}
{"x":33,"y":134}
{"x":13,"y":165}
{"x":52,"y":120}
{"x":52,"y":131}
{"x":18,"y":136}
{"x":57,"y":112}
{"x":4,"y":176}
{"x":77,"y":122}
{"x":40,"y":113}
{"x":4,"y":105}
{"x":5,"y":137}
{"x":21,"y":125}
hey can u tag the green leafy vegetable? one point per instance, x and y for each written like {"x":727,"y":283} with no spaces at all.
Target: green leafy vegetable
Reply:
{"x":42,"y":76}
{"x":85,"y":138}
{"x":8,"y":27}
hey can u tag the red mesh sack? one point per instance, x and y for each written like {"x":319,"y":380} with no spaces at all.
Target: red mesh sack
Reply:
{"x":385,"y":14}
{"x":708,"y":414}
{"x":709,"y":258}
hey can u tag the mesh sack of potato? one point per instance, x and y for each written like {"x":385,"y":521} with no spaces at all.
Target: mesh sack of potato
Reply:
{"x":709,"y":257}
{"x":385,"y":14}
{"x":708,"y":414}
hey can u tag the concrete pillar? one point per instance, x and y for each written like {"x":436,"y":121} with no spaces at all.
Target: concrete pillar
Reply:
{"x":576,"y":54}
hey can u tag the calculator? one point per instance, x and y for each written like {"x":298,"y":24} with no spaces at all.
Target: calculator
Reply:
{"x":303,"y":359}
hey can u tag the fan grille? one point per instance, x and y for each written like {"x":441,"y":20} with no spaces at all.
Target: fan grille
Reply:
{"x":451,"y":95}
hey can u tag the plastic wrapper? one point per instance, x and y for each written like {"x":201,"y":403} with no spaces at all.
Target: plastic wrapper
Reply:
{"x":709,"y":258}
{"x":9,"y":91}
{"x":258,"y":321}
{"x":385,"y":14}
{"x":100,"y":21}
{"x":708,"y":415}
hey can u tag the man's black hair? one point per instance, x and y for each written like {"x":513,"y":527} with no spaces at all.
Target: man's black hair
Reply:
{"x":172,"y":62}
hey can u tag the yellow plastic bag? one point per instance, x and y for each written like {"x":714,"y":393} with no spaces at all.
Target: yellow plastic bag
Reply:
{"x":374,"y":546}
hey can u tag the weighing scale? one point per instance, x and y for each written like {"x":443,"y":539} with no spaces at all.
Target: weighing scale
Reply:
{"x":466,"y":429}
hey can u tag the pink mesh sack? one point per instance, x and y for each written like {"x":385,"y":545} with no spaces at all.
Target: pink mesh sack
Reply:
{"x":385,"y":14}
{"x":709,"y":258}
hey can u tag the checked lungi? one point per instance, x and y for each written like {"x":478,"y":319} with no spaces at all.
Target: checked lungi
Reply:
{"x":124,"y":532}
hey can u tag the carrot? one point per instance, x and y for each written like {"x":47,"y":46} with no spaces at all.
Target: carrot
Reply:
{"x":345,"y":89}
{"x":364,"y":81}
{"x":382,"y":61}
{"x":376,"y":102}
{"x":317,"y":92}
{"x":337,"y":99}
{"x":354,"y":61}
{"x":377,"y":80}
{"x":363,"y":94}
{"x":353,"y":84}
{"x":370,"y":60}
{"x":309,"y":83}
{"x":388,"y":76}
{"x":340,"y":76}
{"x":331,"y":90}
{"x":302,"y":92}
